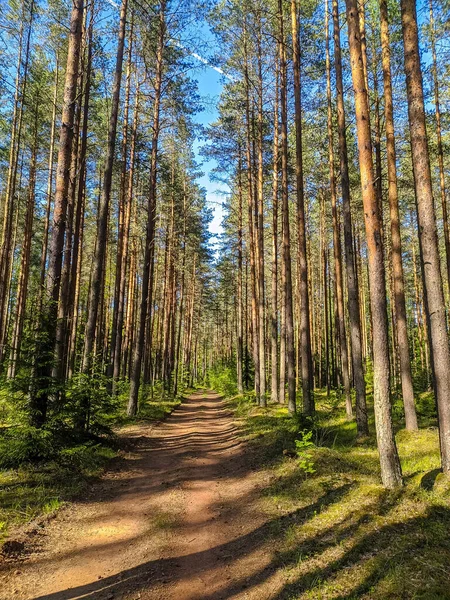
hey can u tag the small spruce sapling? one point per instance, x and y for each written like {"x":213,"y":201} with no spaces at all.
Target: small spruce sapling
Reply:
{"x":302,"y":448}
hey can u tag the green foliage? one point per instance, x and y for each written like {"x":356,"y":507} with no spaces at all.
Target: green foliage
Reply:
{"x":90,"y":404}
{"x":36,"y":489}
{"x":304,"y":455}
{"x":24,"y":446}
{"x":223,"y":379}
{"x":85,"y":458}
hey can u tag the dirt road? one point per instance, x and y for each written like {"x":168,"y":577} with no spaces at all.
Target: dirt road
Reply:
{"x":180,"y":521}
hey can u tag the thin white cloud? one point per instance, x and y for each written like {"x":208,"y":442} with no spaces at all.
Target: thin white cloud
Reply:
{"x":203,"y":60}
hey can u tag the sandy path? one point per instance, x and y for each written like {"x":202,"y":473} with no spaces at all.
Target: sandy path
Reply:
{"x":181,"y":521}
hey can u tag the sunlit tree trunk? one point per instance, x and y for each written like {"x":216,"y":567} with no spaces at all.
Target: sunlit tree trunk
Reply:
{"x":43,"y":368}
{"x":352,"y":286}
{"x":102,"y":221}
{"x":401,"y":325}
{"x":389,"y":460}
{"x":286,"y":262}
{"x":440,"y":150}
{"x":274,"y":299}
{"x":336,"y":234}
{"x":6,"y":254}
{"x":22,"y":289}
{"x":239,"y":340}
{"x":251,"y":234}
{"x":147,"y":275}
{"x":435,"y":305}
{"x":126,"y":238}
{"x":302,"y":262}
{"x":260,"y":231}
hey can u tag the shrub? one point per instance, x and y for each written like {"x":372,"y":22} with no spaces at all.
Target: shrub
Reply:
{"x":302,"y":448}
{"x":25,"y":446}
{"x":223,"y":380}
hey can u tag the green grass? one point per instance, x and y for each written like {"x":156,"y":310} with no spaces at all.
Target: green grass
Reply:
{"x":35,"y":490}
{"x":336,"y":533}
{"x":38,"y":488}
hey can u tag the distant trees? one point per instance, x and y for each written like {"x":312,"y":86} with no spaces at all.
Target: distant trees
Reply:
{"x":82,"y":315}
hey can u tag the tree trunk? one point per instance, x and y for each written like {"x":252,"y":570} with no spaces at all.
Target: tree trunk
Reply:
{"x":240,"y":346}
{"x":22,"y":289}
{"x":440,"y":151}
{"x":389,"y":460}
{"x":103,"y":212}
{"x":251,"y":235}
{"x":6,"y":256}
{"x":260,"y":233}
{"x":401,"y":325}
{"x":286,"y":263}
{"x":435,"y":304}
{"x":121,"y":254}
{"x":274,"y":308}
{"x":49,"y":192}
{"x":147,"y":275}
{"x":302,"y":262}
{"x":125,"y":243}
{"x":352,"y":287}
{"x":337,"y":236}
{"x":39,"y":391}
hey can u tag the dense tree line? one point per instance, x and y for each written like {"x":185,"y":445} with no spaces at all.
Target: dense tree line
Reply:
{"x":104,"y":239}
{"x":337,"y":167}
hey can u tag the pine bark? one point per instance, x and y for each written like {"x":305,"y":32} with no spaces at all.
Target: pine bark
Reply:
{"x":239,"y":296}
{"x":337,"y":236}
{"x":389,"y":460}
{"x":274,"y":300}
{"x":147,"y":274}
{"x":400,"y":325}
{"x":103,"y":213}
{"x":352,"y":285}
{"x":302,"y":262}
{"x":435,"y":304}
{"x":440,"y":150}
{"x":39,"y":391}
{"x":22,"y":289}
{"x":286,"y":262}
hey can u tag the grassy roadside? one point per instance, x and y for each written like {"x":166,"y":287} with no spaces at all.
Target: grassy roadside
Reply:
{"x":337,"y":533}
{"x":37,"y":488}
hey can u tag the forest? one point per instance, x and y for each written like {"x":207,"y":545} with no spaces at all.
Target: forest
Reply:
{"x":313,"y":320}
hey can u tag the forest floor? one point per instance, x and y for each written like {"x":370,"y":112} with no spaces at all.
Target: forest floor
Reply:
{"x":209,"y":505}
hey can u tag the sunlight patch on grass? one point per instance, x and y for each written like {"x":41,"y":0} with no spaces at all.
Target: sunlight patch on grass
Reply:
{"x":40,"y":489}
{"x":336,"y":533}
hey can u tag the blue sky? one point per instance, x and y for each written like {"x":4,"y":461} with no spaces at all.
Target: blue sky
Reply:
{"x":210,"y":84}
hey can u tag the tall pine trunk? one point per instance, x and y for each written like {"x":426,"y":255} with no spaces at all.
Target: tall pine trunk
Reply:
{"x":147,"y":275}
{"x":302,"y":261}
{"x":286,"y":262}
{"x":389,"y":460}
{"x":352,"y":284}
{"x":401,"y":325}
{"x":336,"y":235}
{"x":103,"y":211}
{"x":435,"y":305}
{"x":39,"y":391}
